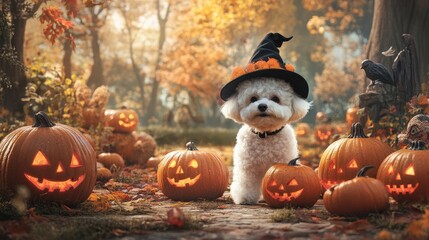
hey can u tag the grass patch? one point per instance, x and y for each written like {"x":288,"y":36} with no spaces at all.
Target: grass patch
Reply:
{"x":201,"y":136}
{"x":285,"y":215}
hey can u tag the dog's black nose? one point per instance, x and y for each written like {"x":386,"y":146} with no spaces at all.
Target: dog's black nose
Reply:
{"x":262,"y":107}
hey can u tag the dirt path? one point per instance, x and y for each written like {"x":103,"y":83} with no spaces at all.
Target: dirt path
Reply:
{"x":132,"y":207}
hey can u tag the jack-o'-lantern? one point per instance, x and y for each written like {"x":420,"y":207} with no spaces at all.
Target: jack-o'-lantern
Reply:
{"x":324,"y":132}
{"x":192,"y":174}
{"x":290,"y":185}
{"x":54,"y":161}
{"x":302,"y":129}
{"x":122,"y":120}
{"x":357,"y":197}
{"x":343,"y":158}
{"x":405,"y":174}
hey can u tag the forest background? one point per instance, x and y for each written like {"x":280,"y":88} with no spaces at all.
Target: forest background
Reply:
{"x":168,"y":59}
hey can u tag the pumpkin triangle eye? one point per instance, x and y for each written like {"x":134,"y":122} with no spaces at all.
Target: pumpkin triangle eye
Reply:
{"x":40,"y":160}
{"x":193,"y":164}
{"x":332,"y":165}
{"x":172,"y":164}
{"x":390,"y":170}
{"x":273,"y":183}
{"x":352,"y":164}
{"x":410,"y":170}
{"x":75,"y":162}
{"x":293,"y":182}
{"x":122,"y":115}
{"x":131,"y":116}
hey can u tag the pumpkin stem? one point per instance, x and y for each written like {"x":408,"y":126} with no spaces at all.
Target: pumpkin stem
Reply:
{"x":41,"y":119}
{"x":357,"y":131}
{"x":293,"y":162}
{"x":363,"y":170}
{"x":191,"y":146}
{"x":417,"y":145}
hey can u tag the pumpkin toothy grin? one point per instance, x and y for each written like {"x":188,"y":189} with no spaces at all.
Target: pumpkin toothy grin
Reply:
{"x":184,"y":182}
{"x":126,"y":124}
{"x":51,"y":186}
{"x":402,"y":189}
{"x":285,"y":196}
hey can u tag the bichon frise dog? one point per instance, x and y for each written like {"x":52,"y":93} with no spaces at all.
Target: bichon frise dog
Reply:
{"x":265,"y":107}
{"x":265,"y":97}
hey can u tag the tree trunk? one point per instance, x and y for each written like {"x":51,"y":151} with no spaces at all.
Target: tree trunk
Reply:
{"x":391,"y":19}
{"x":67,"y":58}
{"x":14,"y":70}
{"x":153,"y":102}
{"x":96,"y":78}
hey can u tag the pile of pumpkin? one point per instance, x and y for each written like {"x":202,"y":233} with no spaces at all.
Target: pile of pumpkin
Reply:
{"x":350,"y":169}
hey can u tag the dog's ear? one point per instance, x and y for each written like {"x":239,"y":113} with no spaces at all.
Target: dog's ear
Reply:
{"x":300,"y":108}
{"x":231,"y":110}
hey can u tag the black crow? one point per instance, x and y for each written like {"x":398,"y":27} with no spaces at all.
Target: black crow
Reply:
{"x":376,"y":71}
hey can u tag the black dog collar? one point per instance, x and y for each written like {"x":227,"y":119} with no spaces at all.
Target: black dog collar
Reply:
{"x":265,"y":134}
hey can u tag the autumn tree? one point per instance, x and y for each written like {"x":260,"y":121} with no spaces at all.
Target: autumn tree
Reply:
{"x":13,"y":18}
{"x":392,"y":19}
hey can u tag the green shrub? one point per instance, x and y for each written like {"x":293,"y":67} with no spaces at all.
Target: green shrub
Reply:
{"x":201,"y":136}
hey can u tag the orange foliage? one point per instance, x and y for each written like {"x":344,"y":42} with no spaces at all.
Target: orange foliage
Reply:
{"x":56,"y":24}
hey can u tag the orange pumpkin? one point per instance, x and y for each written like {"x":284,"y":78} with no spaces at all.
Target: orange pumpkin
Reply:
{"x":324,"y":132}
{"x":302,"y":129}
{"x":290,"y":184}
{"x":122,"y":120}
{"x":54,"y":161}
{"x":352,"y":116}
{"x":405,"y":174}
{"x":192,"y":174}
{"x":110,"y":160}
{"x":343,"y":158}
{"x":357,"y":197}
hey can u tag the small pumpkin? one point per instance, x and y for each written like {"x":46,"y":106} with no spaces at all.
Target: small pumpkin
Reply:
{"x":343,"y":158}
{"x":405,"y":174}
{"x":192,"y":174}
{"x":122,"y":120}
{"x":324,"y":132}
{"x":290,"y":184}
{"x":302,"y":129}
{"x":352,"y":116}
{"x":357,"y":197}
{"x":54,"y":161}
{"x":110,"y":159}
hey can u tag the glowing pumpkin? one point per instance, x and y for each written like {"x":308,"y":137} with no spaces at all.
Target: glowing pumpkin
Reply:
{"x":54,"y":161}
{"x":405,"y":174}
{"x":357,"y":197}
{"x":324,"y":132}
{"x":290,"y":185}
{"x":302,"y":129}
{"x":343,"y":158}
{"x":122,"y":120}
{"x":192,"y":174}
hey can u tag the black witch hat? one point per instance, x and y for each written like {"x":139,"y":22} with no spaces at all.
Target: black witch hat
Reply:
{"x":261,"y":65}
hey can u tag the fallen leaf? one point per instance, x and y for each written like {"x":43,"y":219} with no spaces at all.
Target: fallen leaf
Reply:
{"x":176,"y":217}
{"x":419,"y":229}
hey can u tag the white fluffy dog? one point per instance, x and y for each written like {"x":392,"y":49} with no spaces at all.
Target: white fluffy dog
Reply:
{"x":265,"y":107}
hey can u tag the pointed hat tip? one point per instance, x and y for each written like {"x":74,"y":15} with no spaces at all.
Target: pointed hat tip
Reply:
{"x":278,"y":39}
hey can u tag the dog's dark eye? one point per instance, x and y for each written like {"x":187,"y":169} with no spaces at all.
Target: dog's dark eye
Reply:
{"x":253,"y":99}
{"x":275,"y":99}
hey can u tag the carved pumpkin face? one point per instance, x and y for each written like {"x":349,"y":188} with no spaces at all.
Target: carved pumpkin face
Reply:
{"x":343,"y":158}
{"x":186,"y":174}
{"x":302,"y":129}
{"x":192,"y":174}
{"x":55,"y":162}
{"x":40,"y":161}
{"x":292,"y":184}
{"x":122,"y":120}
{"x":404,"y":174}
{"x":323,"y":133}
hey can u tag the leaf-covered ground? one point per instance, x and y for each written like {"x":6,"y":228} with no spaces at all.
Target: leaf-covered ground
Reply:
{"x":131,"y":206}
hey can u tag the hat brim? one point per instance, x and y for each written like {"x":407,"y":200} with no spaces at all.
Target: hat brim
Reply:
{"x":297,"y":82}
